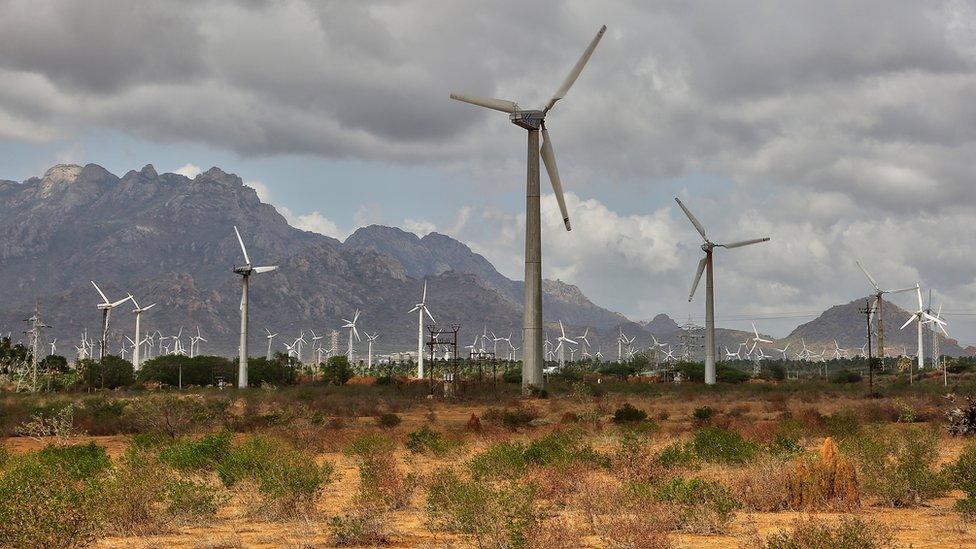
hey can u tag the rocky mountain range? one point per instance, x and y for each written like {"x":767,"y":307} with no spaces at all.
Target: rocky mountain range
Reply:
{"x":169,"y":239}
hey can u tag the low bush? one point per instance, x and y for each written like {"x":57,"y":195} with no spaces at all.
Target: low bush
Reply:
{"x":511,"y":418}
{"x":202,"y":454}
{"x":702,"y":414}
{"x":717,"y":445}
{"x":388,"y":421}
{"x":382,"y":485}
{"x":813,"y":533}
{"x":486,"y":514}
{"x":370,"y":443}
{"x":501,"y":460}
{"x":704,"y":506}
{"x":676,"y":454}
{"x":845,"y":376}
{"x":963,"y":476}
{"x":762,"y":486}
{"x":170,"y":415}
{"x":362,"y":527}
{"x":842,"y":425}
{"x":289,"y":481}
{"x":337,"y":370}
{"x":558,"y":449}
{"x":898,"y":465}
{"x":192,"y":500}
{"x":52,"y":498}
{"x":629,"y":414}
{"x":425,"y":440}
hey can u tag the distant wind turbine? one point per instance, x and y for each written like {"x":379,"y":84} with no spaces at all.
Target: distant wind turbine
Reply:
{"x":421,"y":309}
{"x":705,"y":265}
{"x":106,"y":307}
{"x":245,"y":271}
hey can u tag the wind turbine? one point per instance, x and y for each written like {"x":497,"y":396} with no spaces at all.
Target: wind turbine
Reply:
{"x":879,"y":292}
{"x":106,"y":307}
{"x":921,"y":316}
{"x":369,"y":345}
{"x":561,"y":348}
{"x":421,"y":309}
{"x":706,"y":265}
{"x":351,"y":324}
{"x":245,"y":271}
{"x":136,"y":358}
{"x":783,"y":350}
{"x":533,"y":121}
{"x":195,"y":342}
{"x":269,"y":337}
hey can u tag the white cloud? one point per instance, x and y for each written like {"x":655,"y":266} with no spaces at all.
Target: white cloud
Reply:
{"x":314,"y":222}
{"x":188,"y":170}
{"x":263,"y":192}
{"x":420,"y":227}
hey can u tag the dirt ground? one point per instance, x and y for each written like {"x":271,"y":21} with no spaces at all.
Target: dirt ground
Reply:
{"x":933,"y":525}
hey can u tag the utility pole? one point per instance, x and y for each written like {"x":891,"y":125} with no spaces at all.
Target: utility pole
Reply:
{"x":866,"y":311}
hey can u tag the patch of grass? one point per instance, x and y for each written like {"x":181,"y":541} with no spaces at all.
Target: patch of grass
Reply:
{"x":425,"y":440}
{"x":717,"y":445}
{"x":362,"y":527}
{"x":501,"y":460}
{"x":370,"y":443}
{"x":487,"y":514}
{"x":963,"y":476}
{"x":898,"y":465}
{"x":52,"y":498}
{"x":704,"y":506}
{"x":702,"y":414}
{"x":192,"y":500}
{"x":201,"y":454}
{"x":676,"y":455}
{"x":813,"y":533}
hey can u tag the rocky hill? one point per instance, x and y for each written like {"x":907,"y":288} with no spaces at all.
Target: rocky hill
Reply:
{"x":169,"y":239}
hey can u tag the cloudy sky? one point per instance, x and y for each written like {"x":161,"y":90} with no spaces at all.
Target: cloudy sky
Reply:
{"x":840,"y":129}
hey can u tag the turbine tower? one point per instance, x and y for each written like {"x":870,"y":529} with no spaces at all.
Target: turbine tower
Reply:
{"x":706,"y":265}
{"x":269,"y":337}
{"x":421,"y":309}
{"x":533,"y":121}
{"x":136,"y":357}
{"x":245,"y":271}
{"x":106,"y":307}
{"x":369,"y":346}
{"x":878,"y":293}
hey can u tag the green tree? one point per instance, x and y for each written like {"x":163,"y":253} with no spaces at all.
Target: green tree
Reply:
{"x":110,"y":373}
{"x":337,"y":370}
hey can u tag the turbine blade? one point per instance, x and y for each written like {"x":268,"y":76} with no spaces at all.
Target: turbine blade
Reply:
{"x":910,"y":288}
{"x":121,"y":301}
{"x":426,"y":310}
{"x":907,"y":322}
{"x":240,"y":241}
{"x":424,"y":298}
{"x":549,"y":159}
{"x":99,"y":290}
{"x":870,"y":278}
{"x":918,"y":291}
{"x":576,"y":70}
{"x":487,"y":102}
{"x":694,"y":285}
{"x":742,"y":243}
{"x":693,"y":219}
{"x":265,"y":269}
{"x":414,"y":309}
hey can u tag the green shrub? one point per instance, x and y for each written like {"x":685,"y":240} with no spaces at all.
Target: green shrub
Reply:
{"x":52,"y":498}
{"x":963,"y":476}
{"x":897,"y":465}
{"x":512,"y":418}
{"x":783,"y":445}
{"x":562,"y":448}
{"x":363,"y":527}
{"x":192,"y":500}
{"x":111,"y":372}
{"x":812,"y":533}
{"x":501,"y":460}
{"x":170,"y":415}
{"x":370,"y":443}
{"x":842,"y":425}
{"x":426,"y":439}
{"x":204,"y":453}
{"x":717,"y":445}
{"x":486,"y":514}
{"x":704,"y":506}
{"x":702,"y":414}
{"x":675,"y":455}
{"x":388,"y":421}
{"x":628,"y":414}
{"x":845,"y":376}
{"x":287,"y":479}
{"x":337,"y":370}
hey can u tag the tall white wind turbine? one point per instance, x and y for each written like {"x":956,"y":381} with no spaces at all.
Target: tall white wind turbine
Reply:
{"x":705,"y":265}
{"x":920,"y":317}
{"x":351,"y":324}
{"x":533,"y":121}
{"x":369,"y":346}
{"x":421,"y":309}
{"x":106,"y":307}
{"x":270,"y":337}
{"x":136,"y":356}
{"x":245,"y":271}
